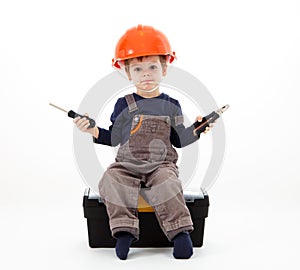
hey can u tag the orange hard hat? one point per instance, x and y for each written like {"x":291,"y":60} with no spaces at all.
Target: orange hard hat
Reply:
{"x":141,"y":41}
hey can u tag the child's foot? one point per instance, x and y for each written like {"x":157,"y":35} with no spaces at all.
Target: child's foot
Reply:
{"x":124,"y":240}
{"x":183,"y":246}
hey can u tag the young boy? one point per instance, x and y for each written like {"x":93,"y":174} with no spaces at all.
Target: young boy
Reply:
{"x":146,"y":124}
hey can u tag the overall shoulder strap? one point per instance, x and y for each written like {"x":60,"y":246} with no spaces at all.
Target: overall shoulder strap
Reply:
{"x":132,"y":106}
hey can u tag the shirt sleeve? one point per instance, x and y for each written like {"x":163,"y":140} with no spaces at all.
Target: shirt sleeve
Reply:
{"x":112,"y":136}
{"x":180,"y":135}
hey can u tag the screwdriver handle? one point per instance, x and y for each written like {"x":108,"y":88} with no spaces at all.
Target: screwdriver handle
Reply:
{"x":73,"y":114}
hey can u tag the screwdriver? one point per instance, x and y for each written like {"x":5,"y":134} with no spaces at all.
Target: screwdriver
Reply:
{"x":210,"y":118}
{"x":73,"y":114}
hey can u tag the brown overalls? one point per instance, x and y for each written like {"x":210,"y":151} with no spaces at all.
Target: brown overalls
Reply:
{"x":147,"y":157}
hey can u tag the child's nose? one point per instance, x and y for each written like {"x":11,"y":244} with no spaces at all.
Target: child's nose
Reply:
{"x":146,"y":73}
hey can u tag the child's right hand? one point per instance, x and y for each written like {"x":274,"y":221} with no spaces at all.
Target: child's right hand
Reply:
{"x":83,"y":123}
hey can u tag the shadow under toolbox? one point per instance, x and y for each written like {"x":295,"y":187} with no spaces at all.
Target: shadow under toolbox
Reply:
{"x":151,"y":234}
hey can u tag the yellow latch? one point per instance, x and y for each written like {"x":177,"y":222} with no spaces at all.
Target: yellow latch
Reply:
{"x":143,"y":206}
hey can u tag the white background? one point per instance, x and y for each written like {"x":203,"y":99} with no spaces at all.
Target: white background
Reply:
{"x":245,"y":52}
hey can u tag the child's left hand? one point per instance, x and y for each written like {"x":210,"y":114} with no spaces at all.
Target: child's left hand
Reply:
{"x":207,"y":129}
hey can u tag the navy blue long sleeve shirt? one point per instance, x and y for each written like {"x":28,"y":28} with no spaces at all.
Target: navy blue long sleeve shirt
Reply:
{"x":119,"y":131}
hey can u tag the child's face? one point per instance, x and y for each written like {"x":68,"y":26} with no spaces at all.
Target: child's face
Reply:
{"x":147,"y":73}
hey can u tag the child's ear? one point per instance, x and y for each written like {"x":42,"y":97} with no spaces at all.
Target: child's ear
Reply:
{"x":128,"y":75}
{"x":164,"y":70}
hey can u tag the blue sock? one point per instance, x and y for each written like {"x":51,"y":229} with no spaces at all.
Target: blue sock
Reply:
{"x":124,"y":240}
{"x":183,"y":246}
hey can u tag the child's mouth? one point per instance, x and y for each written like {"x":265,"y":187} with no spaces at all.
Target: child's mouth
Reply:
{"x":147,"y":82}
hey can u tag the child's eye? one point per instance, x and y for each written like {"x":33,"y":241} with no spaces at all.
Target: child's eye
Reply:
{"x":137,"y":69}
{"x":153,"y":67}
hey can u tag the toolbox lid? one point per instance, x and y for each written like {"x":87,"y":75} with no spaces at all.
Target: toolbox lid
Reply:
{"x":195,"y":99}
{"x":189,"y":196}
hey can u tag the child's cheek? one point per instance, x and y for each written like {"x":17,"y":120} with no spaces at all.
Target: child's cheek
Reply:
{"x":136,"y":79}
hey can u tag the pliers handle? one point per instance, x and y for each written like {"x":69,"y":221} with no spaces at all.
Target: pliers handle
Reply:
{"x":199,"y":127}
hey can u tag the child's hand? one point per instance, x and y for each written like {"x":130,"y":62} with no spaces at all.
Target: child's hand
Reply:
{"x":82,"y":124}
{"x":207,"y":129}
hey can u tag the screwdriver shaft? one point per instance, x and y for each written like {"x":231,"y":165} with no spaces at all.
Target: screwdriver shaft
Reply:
{"x":58,"y":108}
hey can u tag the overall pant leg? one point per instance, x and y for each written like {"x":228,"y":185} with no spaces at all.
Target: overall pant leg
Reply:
{"x":119,"y":190}
{"x":165,"y":195}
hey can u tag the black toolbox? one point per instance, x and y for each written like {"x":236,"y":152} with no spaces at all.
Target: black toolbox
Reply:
{"x":151,"y":234}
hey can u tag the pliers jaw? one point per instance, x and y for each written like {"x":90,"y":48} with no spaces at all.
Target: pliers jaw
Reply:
{"x":222,"y":109}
